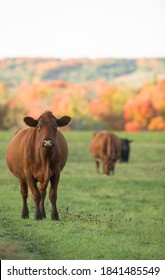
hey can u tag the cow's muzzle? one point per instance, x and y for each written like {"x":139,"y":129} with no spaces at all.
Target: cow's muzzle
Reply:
{"x":48,"y":143}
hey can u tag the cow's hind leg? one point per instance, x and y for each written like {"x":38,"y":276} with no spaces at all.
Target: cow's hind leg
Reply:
{"x":24,"y":193}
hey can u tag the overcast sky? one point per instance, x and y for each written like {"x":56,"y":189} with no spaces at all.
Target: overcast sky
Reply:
{"x":82,"y":28}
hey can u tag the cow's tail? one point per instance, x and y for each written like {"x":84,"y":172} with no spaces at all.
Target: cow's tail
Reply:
{"x":111,"y":148}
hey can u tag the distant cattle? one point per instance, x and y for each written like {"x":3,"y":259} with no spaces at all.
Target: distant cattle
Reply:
{"x":125,"y":149}
{"x":38,"y":153}
{"x":105,"y":147}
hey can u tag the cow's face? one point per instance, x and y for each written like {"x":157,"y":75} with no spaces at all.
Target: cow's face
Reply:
{"x":47,"y":127}
{"x":108,"y":165}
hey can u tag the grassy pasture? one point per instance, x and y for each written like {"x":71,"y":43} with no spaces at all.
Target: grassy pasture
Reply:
{"x":101,"y":217}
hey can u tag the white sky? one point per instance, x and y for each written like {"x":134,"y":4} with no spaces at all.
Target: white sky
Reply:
{"x":82,"y":28}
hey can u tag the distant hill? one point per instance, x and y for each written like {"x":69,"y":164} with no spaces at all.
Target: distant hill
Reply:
{"x":116,"y":71}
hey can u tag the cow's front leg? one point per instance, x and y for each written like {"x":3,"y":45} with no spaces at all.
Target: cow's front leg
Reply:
{"x":36,"y":197}
{"x":53,"y":195}
{"x":42,"y":189}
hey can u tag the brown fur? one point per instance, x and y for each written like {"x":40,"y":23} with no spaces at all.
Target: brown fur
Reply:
{"x":105,"y":147}
{"x":38,"y":154}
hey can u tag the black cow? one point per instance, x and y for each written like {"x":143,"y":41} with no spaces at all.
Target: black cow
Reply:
{"x":125,"y":149}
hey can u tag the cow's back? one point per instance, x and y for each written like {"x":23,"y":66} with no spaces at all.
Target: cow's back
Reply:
{"x":117,"y":145}
{"x":105,"y":143}
{"x":98,"y":144}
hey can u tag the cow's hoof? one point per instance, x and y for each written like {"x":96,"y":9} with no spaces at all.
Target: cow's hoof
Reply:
{"x":25,"y":215}
{"x":55,"y":218}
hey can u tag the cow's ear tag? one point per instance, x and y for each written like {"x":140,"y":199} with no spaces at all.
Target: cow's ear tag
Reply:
{"x":30,"y":121}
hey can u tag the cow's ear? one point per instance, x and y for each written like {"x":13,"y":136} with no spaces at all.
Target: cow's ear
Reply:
{"x":63,"y":121}
{"x":30,"y":121}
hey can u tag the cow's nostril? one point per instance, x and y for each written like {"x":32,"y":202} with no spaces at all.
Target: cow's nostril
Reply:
{"x":48,"y":143}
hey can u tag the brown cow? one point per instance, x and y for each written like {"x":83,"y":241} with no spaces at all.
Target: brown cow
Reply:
{"x":38,"y":154}
{"x":105,"y":147}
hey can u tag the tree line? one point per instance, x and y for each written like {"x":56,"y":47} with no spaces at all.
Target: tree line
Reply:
{"x":92,"y":104}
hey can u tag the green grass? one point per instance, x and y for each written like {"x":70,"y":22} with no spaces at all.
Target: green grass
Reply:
{"x":101,"y":217}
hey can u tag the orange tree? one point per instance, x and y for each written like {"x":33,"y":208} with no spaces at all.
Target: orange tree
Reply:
{"x":147,"y":108}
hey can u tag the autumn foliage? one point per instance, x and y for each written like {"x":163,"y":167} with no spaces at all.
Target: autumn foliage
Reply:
{"x":146,"y":110}
{"x":91,"y":104}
